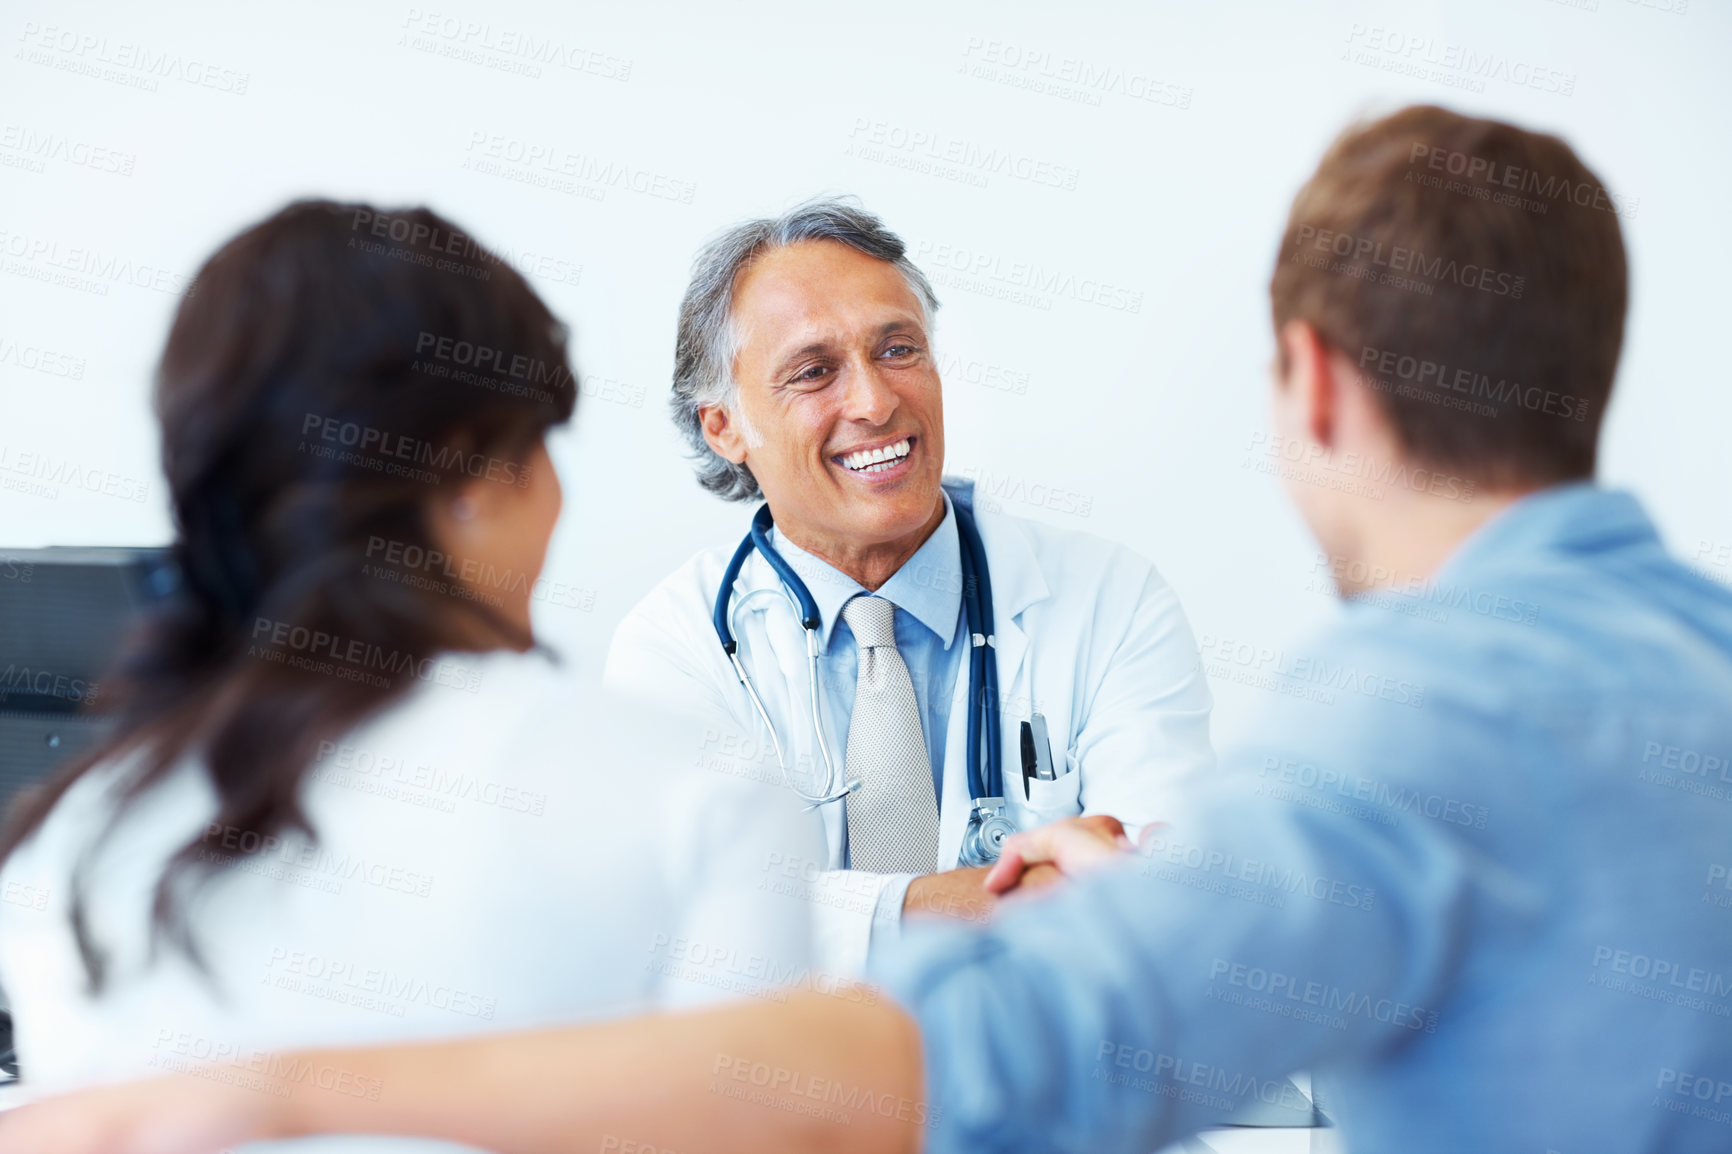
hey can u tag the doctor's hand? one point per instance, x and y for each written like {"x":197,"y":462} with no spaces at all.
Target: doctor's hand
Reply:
{"x":179,"y":1115}
{"x":1074,"y":846}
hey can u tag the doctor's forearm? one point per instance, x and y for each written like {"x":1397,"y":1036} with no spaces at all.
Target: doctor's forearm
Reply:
{"x":816,"y":1073}
{"x":959,"y":894}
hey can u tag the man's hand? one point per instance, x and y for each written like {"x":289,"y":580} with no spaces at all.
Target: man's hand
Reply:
{"x":1076,"y":845}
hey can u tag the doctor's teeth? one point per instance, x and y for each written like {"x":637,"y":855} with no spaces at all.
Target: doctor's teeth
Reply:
{"x":876,"y":460}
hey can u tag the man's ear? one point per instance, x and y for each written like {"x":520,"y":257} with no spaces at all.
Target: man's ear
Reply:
{"x":723,"y":433}
{"x":1312,"y":384}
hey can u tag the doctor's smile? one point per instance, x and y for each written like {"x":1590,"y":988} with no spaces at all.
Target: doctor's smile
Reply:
{"x":880,"y":463}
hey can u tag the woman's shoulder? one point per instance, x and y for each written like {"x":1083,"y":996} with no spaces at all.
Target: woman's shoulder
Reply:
{"x":98,"y":817}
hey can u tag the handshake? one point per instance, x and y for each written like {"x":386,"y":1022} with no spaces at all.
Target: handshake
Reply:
{"x":1031,"y":860}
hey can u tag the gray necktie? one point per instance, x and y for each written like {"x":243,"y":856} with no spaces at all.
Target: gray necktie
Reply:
{"x":893,"y":816}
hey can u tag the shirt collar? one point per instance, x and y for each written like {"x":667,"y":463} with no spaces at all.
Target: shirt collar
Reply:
{"x":928,"y":586}
{"x":1578,"y":517}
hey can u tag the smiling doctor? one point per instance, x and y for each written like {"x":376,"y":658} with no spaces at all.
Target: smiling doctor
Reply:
{"x":930,"y":676}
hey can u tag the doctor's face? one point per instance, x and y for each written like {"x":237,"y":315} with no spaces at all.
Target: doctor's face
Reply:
{"x":840,"y":415}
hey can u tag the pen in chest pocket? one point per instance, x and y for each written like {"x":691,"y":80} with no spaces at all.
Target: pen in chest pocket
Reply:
{"x":1036,"y":753}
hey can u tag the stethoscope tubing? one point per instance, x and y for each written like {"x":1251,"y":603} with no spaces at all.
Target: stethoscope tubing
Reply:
{"x":985,"y":757}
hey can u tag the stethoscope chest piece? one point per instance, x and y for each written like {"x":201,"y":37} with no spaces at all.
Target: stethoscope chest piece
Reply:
{"x":988,"y":830}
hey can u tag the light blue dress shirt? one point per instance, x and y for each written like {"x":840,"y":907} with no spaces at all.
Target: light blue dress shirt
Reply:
{"x":927,"y":593}
{"x":1475,"y":878}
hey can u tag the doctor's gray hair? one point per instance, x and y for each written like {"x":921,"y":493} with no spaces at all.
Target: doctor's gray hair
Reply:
{"x":707,"y":343}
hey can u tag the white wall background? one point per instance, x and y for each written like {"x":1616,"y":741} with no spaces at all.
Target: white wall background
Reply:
{"x":128,"y":151}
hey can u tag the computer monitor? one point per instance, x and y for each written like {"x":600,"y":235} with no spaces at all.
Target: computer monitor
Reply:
{"x":64,"y":612}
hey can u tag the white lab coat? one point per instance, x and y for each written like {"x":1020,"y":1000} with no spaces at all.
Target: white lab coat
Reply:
{"x":1088,"y":634}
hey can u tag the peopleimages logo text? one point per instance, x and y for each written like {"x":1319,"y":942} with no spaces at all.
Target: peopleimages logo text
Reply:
{"x":1400,"y":259}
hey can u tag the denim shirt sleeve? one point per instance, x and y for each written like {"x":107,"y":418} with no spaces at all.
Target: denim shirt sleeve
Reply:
{"x":1256,"y":934}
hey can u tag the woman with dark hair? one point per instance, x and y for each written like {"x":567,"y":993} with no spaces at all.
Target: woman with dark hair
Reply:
{"x":346,"y":797}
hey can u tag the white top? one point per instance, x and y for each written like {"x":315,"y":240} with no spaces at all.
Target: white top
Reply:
{"x":1086,"y":633}
{"x":487,"y":860}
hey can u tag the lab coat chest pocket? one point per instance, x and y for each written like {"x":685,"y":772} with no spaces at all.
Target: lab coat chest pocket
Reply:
{"x":1044,"y":801}
{"x":1047,"y":801}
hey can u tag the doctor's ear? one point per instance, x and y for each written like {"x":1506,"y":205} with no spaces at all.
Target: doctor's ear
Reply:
{"x":1308,"y":383}
{"x":724,"y":433}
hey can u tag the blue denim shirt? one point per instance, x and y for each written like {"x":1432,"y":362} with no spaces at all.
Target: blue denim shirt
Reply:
{"x":1474,"y":877}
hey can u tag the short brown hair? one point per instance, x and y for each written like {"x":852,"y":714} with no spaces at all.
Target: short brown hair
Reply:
{"x":1475,"y":273}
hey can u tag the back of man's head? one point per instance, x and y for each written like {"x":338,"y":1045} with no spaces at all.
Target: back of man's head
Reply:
{"x":1475,"y":274}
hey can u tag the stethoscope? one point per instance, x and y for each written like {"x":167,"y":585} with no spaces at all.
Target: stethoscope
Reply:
{"x":988,"y":827}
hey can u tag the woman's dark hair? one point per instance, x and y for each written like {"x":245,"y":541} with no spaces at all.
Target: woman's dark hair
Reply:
{"x":333,"y":369}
